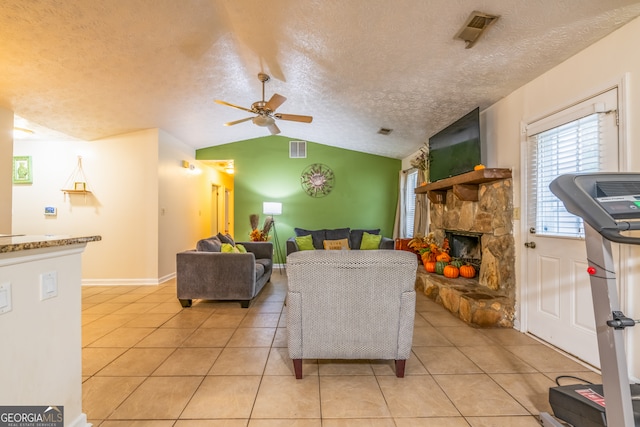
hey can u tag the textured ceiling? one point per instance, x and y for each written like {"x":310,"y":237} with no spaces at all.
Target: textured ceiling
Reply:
{"x":93,"y":68}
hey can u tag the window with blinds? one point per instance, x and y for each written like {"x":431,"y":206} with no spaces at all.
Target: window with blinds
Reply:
{"x":410,"y":202}
{"x":580,"y":139}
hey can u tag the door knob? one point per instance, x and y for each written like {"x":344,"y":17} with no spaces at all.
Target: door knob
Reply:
{"x":532,"y":230}
{"x":530,"y":245}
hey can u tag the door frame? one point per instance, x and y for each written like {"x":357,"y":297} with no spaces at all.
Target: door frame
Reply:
{"x":622,"y":268}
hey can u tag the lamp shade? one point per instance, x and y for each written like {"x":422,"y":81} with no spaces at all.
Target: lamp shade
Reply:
{"x":272,"y":208}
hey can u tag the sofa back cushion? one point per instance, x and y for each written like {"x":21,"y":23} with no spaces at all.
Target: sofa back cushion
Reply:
{"x":355,"y":238}
{"x":337,"y":234}
{"x":212,"y":244}
{"x":318,"y":236}
{"x":226,"y":238}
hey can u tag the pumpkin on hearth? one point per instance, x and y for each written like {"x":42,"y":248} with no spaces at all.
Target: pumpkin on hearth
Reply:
{"x":443,"y":256}
{"x":457,"y":263}
{"x":430,"y":266}
{"x":467,"y":271}
{"x":440,"y":266}
{"x":451,"y":271}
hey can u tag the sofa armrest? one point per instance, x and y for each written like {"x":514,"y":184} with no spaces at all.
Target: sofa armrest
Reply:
{"x":200,"y":269}
{"x":387,"y":243}
{"x":292,"y":246}
{"x":259,"y":249}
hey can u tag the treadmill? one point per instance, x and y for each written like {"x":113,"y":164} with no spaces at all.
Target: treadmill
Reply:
{"x":609,"y":204}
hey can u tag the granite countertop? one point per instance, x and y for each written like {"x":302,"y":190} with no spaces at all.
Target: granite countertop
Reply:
{"x":23,"y":242}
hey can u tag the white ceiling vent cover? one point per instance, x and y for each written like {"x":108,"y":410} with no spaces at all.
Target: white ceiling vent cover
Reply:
{"x":297,"y":149}
{"x":476,"y":24}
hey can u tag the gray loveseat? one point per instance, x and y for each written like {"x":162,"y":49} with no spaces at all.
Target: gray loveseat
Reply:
{"x":207,"y":273}
{"x":354,"y":238}
{"x":350,"y":305}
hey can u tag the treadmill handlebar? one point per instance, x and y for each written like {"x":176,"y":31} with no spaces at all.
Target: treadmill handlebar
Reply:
{"x":615,"y":236}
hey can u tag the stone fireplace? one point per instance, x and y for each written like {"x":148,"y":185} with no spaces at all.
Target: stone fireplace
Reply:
{"x":474,"y":211}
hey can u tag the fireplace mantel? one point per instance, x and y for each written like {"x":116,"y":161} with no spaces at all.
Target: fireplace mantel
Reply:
{"x":464,"y":186}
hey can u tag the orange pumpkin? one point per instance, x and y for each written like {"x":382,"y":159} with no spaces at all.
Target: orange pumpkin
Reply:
{"x":430,"y":266}
{"x":467,"y":271}
{"x":443,"y":257}
{"x":451,"y":271}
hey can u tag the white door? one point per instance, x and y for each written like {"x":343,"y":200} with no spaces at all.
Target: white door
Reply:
{"x":215,"y":201}
{"x":582,"y":138}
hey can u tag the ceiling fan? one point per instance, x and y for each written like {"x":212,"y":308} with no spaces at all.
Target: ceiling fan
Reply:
{"x":266,"y":110}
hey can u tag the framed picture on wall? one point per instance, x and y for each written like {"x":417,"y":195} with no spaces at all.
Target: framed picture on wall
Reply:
{"x":22,"y":171}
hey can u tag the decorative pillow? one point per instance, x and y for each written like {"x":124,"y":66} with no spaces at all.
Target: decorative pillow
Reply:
{"x":337,"y":234}
{"x":229,"y":249}
{"x":305,"y":243}
{"x":241,"y":248}
{"x":370,"y":241}
{"x":212,"y":244}
{"x":355,"y":238}
{"x":226,"y":238}
{"x":319,"y":236}
{"x":336,"y":244}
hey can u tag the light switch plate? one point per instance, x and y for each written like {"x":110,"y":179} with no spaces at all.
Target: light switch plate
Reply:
{"x":5,"y":297}
{"x":48,"y":285}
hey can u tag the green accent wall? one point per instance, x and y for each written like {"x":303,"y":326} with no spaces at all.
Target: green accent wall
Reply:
{"x":365,"y":194}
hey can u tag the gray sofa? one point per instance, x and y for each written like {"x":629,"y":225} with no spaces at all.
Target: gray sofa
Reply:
{"x":319,"y":236}
{"x":350,"y":305}
{"x":207,"y":273}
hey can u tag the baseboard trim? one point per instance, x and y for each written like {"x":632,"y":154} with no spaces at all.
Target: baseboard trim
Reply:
{"x":132,"y":282}
{"x":81,"y":421}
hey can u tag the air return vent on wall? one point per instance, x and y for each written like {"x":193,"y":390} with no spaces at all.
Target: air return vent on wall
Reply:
{"x":297,"y":149}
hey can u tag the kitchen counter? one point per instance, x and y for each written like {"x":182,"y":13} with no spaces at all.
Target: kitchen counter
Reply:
{"x":23,"y":242}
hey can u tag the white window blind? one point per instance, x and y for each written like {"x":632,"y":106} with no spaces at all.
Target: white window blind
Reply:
{"x":410,"y":202}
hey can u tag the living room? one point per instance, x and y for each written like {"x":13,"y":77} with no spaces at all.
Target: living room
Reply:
{"x":147,"y":206}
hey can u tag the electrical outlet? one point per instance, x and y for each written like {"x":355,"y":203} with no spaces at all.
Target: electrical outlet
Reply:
{"x":48,"y":285}
{"x":5,"y":297}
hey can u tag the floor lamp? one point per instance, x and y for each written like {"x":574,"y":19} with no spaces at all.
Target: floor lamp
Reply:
{"x":275,"y":208}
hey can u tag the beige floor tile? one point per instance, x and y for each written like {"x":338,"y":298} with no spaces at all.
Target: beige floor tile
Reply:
{"x":478,"y":395}
{"x":530,"y":390}
{"x":545,"y":359}
{"x":416,"y":396}
{"x":441,"y":318}
{"x":224,"y":320}
{"x":149,"y":320}
{"x":137,"y":362}
{"x":429,"y":336}
{"x":167,"y":307}
{"x":252,"y":337}
{"x":90,"y":318}
{"x":260,"y":320}
{"x":240,"y":361}
{"x":509,"y":336}
{"x":209,"y":337}
{"x":530,"y":421}
{"x":463,"y":335}
{"x":166,"y":337}
{"x":280,"y":339}
{"x":143,"y":423}
{"x":344,"y":367}
{"x":188,"y":319}
{"x":158,"y":298}
{"x":359,"y":422}
{"x":137,"y":308}
{"x":104,"y":308}
{"x":188,"y":361}
{"x":126,"y":298}
{"x":433,"y":422}
{"x":122,"y":337}
{"x":445,"y":360}
{"x":287,"y":397}
{"x":102,"y":395}
{"x":285,"y":423}
{"x":266,"y":307}
{"x":223,"y":397}
{"x":279,"y":363}
{"x":211,"y":423}
{"x":492,"y":359}
{"x":94,"y":359}
{"x":388,"y":367}
{"x":582,"y":377}
{"x":158,"y":398}
{"x":352,"y":397}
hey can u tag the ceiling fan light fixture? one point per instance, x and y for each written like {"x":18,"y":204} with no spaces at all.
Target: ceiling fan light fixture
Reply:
{"x":263,"y":121}
{"x":476,"y":24}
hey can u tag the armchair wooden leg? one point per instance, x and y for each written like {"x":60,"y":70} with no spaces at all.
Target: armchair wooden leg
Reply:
{"x":297,"y":368}
{"x":400,"y":368}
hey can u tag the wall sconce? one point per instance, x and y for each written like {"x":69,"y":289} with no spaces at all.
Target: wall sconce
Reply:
{"x":229,"y":168}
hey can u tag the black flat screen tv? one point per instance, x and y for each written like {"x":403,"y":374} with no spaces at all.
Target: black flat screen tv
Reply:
{"x":457,"y":148}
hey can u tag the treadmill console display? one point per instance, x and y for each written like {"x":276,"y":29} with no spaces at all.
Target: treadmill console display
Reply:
{"x":621,"y":207}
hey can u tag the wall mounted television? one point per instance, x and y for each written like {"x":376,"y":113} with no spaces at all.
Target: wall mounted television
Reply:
{"x":457,"y":148}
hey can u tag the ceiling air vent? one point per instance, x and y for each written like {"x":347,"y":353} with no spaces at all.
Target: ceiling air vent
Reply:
{"x":297,"y":149}
{"x":385,"y":131}
{"x":476,"y":24}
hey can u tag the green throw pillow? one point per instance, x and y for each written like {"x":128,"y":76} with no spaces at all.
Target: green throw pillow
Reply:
{"x":241,"y":248}
{"x":370,"y":241}
{"x":305,"y":243}
{"x":227,"y":248}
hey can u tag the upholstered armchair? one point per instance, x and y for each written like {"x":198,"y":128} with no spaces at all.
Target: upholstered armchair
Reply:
{"x":350,"y":305}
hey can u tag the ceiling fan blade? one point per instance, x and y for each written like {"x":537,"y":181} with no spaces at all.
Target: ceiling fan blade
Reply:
{"x":294,"y":118}
{"x":217,"y":101}
{"x":275,"y":101}
{"x":238,"y":121}
{"x":273,"y":128}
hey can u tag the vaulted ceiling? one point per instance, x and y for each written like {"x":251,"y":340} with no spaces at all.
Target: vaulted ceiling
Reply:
{"x":92,"y":68}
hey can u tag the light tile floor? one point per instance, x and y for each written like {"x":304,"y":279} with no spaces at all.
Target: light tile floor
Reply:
{"x":147,"y":362}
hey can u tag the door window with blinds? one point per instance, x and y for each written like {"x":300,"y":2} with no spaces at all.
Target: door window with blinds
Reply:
{"x":580,"y":139}
{"x":410,"y":203}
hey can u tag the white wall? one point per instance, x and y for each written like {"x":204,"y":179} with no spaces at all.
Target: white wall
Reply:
{"x":6,"y":167}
